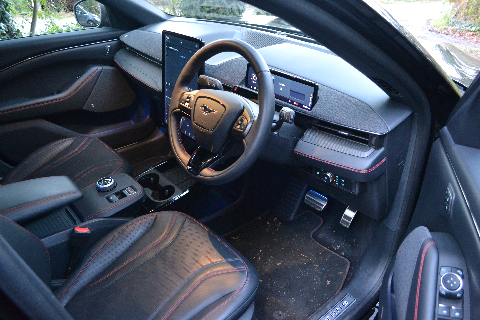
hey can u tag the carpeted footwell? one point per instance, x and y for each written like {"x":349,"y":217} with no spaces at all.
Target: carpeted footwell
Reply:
{"x":297,"y":275}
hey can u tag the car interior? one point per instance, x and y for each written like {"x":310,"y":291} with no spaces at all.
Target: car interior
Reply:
{"x":158,"y":167}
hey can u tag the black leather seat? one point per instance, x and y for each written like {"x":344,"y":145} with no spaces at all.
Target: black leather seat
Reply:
{"x":83,"y":159}
{"x":159,"y":266}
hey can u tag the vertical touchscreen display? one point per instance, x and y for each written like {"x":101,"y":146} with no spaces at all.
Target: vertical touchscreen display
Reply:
{"x":177,"y":51}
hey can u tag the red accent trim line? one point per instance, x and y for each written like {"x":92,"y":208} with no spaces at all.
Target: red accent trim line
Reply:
{"x":124,"y":69}
{"x":431,"y":243}
{"x":53,"y":101}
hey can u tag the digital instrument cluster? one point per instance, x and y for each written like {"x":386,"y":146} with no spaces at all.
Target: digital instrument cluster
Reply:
{"x":294,"y":91}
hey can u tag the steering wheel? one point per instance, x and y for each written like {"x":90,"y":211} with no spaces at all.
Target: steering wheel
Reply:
{"x":220,"y":118}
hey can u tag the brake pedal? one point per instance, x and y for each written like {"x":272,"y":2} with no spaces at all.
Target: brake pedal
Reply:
{"x":315,"y":200}
{"x":347,"y":217}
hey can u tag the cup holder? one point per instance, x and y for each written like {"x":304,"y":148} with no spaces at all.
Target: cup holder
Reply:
{"x":159,"y":193}
{"x":163,"y":193}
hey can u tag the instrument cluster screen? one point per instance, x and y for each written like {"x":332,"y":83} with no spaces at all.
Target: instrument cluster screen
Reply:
{"x":177,"y":51}
{"x":294,"y":91}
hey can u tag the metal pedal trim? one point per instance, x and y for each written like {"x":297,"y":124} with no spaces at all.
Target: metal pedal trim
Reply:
{"x":315,"y":200}
{"x":347,"y":217}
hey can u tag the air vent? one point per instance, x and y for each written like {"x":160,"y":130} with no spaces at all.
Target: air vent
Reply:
{"x":336,"y":143}
{"x":368,"y":139}
{"x":385,"y":86}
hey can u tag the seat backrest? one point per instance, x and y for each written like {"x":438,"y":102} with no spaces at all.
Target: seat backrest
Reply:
{"x":25,"y":273}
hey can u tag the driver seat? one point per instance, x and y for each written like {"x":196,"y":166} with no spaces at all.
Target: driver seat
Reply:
{"x":159,"y":266}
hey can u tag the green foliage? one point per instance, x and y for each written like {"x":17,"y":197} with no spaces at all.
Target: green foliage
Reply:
{"x":92,"y":6}
{"x":8,"y":28}
{"x":202,"y":9}
{"x":53,"y":27}
{"x":212,"y":9}
{"x":465,"y":15}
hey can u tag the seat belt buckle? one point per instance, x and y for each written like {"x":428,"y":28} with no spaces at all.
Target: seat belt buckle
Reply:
{"x":80,"y":237}
{"x":78,"y":242}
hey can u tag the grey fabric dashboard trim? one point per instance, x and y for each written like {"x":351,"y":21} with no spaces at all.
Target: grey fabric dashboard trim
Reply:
{"x":147,"y":42}
{"x":260,"y":39}
{"x":231,"y":72}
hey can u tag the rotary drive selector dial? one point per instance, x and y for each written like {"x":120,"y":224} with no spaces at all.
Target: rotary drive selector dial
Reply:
{"x":106,"y":184}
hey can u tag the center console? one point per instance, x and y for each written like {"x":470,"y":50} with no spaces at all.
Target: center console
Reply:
{"x":117,"y":195}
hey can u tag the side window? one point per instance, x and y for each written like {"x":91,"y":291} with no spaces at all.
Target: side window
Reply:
{"x":23,"y":18}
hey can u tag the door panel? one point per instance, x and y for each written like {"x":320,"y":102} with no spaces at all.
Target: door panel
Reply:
{"x":62,"y":85}
{"x":449,"y":201}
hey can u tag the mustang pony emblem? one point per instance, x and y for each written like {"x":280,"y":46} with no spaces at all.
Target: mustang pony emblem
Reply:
{"x":206,"y":110}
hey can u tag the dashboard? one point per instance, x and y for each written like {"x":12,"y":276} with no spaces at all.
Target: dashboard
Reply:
{"x":349,"y":138}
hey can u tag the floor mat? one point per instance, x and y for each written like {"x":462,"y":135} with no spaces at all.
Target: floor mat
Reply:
{"x":350,"y":243}
{"x":297,"y":275}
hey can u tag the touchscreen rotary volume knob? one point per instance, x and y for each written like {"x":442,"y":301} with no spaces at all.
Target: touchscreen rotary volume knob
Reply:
{"x":106,"y":184}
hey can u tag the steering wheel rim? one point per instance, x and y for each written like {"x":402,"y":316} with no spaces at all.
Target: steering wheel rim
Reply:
{"x":259,"y":130}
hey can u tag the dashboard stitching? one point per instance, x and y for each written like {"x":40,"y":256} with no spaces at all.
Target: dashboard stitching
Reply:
{"x":341,"y":165}
{"x":123,"y":68}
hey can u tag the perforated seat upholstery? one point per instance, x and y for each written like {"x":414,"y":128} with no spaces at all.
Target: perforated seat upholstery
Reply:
{"x":159,"y":266}
{"x":83,"y":159}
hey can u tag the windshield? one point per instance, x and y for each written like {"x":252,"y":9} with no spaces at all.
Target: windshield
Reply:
{"x":222,"y":10}
{"x":448,"y":30}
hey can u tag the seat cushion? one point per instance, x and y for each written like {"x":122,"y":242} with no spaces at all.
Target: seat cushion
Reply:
{"x":158,"y":266}
{"x":83,"y":159}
